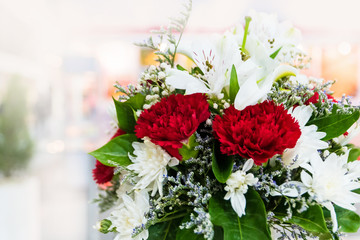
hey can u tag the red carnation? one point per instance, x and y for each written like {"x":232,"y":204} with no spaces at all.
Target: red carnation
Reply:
{"x":315,"y":99}
{"x":258,"y":132}
{"x":102,"y":173}
{"x":172,"y":120}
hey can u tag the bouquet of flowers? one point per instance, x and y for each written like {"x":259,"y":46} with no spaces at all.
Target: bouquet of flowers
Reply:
{"x":241,"y":145}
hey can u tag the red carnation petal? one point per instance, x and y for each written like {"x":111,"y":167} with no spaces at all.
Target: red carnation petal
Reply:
{"x":258,"y":132}
{"x":172,"y":120}
{"x":102,"y":173}
{"x":315,"y":99}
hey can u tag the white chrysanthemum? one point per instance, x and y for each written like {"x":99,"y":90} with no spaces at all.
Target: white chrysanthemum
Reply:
{"x":237,"y":186}
{"x":309,"y":142}
{"x":129,"y":215}
{"x":331,"y":182}
{"x":150,"y":162}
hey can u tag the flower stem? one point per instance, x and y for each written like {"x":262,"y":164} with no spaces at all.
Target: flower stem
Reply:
{"x":247,"y":22}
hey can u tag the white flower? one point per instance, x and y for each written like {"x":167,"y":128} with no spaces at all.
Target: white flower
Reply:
{"x":331,"y":183}
{"x":257,"y":74}
{"x":309,"y":142}
{"x":265,"y":29}
{"x":215,"y":58}
{"x":237,"y":186}
{"x":130,"y":214}
{"x":352,"y":132}
{"x":150,"y":162}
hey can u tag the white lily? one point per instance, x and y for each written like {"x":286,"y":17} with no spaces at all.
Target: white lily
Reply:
{"x":265,"y":29}
{"x":237,"y":186}
{"x":215,"y":58}
{"x":257,"y":75}
{"x":309,"y":142}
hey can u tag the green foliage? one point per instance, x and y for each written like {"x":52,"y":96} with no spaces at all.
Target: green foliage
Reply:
{"x":108,"y":198}
{"x":354,"y":154}
{"x":234,"y":84}
{"x":335,"y":123}
{"x":125,"y":112}
{"x":348,"y":220}
{"x":188,"y":150}
{"x":15,"y":142}
{"x":311,"y":220}
{"x":222,"y":164}
{"x":116,"y":152}
{"x":274,"y":54}
{"x":251,"y":226}
{"x":165,"y":230}
{"x":105,"y":225}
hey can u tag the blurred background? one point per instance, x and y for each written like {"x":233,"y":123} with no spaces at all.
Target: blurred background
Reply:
{"x":59,"y":60}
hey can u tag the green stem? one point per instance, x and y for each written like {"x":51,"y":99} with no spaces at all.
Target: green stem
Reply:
{"x":247,"y":22}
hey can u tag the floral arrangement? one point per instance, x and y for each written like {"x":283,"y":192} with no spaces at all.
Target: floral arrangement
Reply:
{"x":241,"y":145}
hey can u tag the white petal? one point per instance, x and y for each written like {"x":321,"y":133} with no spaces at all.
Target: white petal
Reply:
{"x":248,"y":165}
{"x":183,"y":80}
{"x":238,"y":203}
{"x":306,"y":179}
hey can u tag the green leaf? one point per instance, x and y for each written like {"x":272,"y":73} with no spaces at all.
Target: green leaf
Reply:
{"x":179,"y":67}
{"x":274,"y":54}
{"x":125,"y":116}
{"x":137,"y":101}
{"x":188,"y":150}
{"x":251,"y":226}
{"x":356,"y":191}
{"x":222,"y":164}
{"x":335,"y":124}
{"x":164,"y":230}
{"x":116,"y":150}
{"x":348,"y":220}
{"x":234,"y":84}
{"x":311,"y":220}
{"x":354,"y":154}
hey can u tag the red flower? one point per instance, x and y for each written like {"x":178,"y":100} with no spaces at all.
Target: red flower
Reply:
{"x":102,"y":173}
{"x":173,"y":120}
{"x":258,"y":132}
{"x":315,"y":99}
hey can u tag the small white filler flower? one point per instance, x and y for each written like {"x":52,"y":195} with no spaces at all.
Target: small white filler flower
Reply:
{"x":237,"y":186}
{"x":129,"y":215}
{"x":331,"y":182}
{"x":150,"y":162}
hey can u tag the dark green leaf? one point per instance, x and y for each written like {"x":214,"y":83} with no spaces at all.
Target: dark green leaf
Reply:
{"x":116,"y":150}
{"x":125,"y":116}
{"x":274,"y":54}
{"x":188,"y":150}
{"x":335,"y":124}
{"x":356,"y":191}
{"x":222,"y":164}
{"x":234,"y":84}
{"x":311,"y":220}
{"x":165,"y":230}
{"x":251,"y":226}
{"x":348,"y":220}
{"x":354,"y":154}
{"x":137,"y":101}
